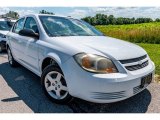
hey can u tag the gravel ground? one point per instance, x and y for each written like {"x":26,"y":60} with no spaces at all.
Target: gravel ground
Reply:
{"x":20,"y":92}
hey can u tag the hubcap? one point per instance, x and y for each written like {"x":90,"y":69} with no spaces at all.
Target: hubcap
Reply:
{"x":55,"y":85}
{"x":9,"y":56}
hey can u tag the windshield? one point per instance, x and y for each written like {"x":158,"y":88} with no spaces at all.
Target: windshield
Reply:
{"x":58,"y":26}
{"x":4,"y":25}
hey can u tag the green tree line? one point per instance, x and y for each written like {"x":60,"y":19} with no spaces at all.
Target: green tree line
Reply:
{"x":102,"y":19}
{"x":46,"y":12}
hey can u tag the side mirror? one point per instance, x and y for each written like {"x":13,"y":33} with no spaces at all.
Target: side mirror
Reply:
{"x":28,"y":33}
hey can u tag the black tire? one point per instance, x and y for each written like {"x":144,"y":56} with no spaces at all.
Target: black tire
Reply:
{"x":11,"y":60}
{"x":1,"y":48}
{"x":48,"y":69}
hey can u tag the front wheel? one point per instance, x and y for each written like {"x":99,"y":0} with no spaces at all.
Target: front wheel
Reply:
{"x":54,"y":85}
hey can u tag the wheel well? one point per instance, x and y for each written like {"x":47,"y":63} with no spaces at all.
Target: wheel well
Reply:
{"x":7,"y":46}
{"x":49,"y":61}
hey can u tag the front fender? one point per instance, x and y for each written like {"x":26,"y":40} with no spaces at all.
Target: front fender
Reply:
{"x":52,"y":56}
{"x":55,"y":57}
{"x":60,"y":60}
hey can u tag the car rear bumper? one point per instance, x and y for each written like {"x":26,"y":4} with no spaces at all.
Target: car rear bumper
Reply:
{"x":103,"y":88}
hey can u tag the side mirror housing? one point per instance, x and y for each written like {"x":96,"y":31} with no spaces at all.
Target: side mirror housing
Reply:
{"x":28,"y":33}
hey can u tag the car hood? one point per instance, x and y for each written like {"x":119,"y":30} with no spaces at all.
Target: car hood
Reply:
{"x":4,"y":32}
{"x":101,"y":45}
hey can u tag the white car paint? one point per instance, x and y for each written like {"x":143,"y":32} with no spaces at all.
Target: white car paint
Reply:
{"x":4,"y":32}
{"x":99,"y":88}
{"x":103,"y":45}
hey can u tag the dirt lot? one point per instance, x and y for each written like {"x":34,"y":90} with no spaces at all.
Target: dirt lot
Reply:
{"x":20,"y":92}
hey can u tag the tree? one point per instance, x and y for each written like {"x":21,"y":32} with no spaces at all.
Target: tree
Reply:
{"x":132,"y":20}
{"x":98,"y":18}
{"x":157,"y":20}
{"x":111,"y":19}
{"x":12,"y":14}
{"x":119,"y":21}
{"x":46,"y":12}
{"x":102,"y":19}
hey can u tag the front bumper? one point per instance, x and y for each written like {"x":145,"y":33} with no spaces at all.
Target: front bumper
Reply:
{"x":103,"y":88}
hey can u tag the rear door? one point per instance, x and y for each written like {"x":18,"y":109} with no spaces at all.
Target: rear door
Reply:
{"x":15,"y":40}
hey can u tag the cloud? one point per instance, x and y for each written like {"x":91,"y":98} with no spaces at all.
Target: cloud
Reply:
{"x":136,"y":12}
{"x":78,"y":13}
{"x":152,"y":12}
{"x":4,"y":10}
{"x":25,"y":12}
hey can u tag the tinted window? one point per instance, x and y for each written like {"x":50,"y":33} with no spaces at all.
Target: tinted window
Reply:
{"x":31,"y":24}
{"x":59,"y":26}
{"x":19,"y":25}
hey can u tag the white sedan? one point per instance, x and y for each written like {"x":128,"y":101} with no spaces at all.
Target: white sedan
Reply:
{"x":74,"y":59}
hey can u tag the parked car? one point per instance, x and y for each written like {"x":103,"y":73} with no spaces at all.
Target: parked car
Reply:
{"x":5,"y":26}
{"x":74,"y":59}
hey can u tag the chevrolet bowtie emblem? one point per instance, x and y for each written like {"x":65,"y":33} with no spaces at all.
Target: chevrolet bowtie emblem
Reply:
{"x":140,"y":62}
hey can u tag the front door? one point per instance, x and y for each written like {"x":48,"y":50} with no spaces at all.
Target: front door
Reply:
{"x":30,"y":47}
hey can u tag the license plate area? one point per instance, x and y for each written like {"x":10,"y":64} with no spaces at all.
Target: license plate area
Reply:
{"x":146,"y":80}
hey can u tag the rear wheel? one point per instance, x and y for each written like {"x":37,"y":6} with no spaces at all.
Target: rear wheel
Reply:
{"x":11,"y":60}
{"x":54,"y":85}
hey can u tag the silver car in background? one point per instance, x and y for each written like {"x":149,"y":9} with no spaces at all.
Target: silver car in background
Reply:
{"x":5,"y":26}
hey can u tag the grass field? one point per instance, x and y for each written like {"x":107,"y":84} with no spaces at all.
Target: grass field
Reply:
{"x":138,"y":33}
{"x":141,"y":34}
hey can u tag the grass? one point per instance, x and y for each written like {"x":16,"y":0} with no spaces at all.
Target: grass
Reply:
{"x":141,"y":34}
{"x":138,"y":33}
{"x":154,"y":52}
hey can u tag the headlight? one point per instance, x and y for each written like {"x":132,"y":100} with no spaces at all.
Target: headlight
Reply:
{"x":2,"y":36}
{"x":95,"y":63}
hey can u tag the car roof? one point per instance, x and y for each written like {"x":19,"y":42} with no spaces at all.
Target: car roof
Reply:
{"x":36,"y":15}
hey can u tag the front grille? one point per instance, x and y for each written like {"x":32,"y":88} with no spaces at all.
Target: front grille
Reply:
{"x":135,"y":63}
{"x":137,"y":67}
{"x":108,"y":96}
{"x":133,"y":60}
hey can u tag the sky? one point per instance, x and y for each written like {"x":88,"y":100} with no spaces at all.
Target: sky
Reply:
{"x":80,"y":12}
